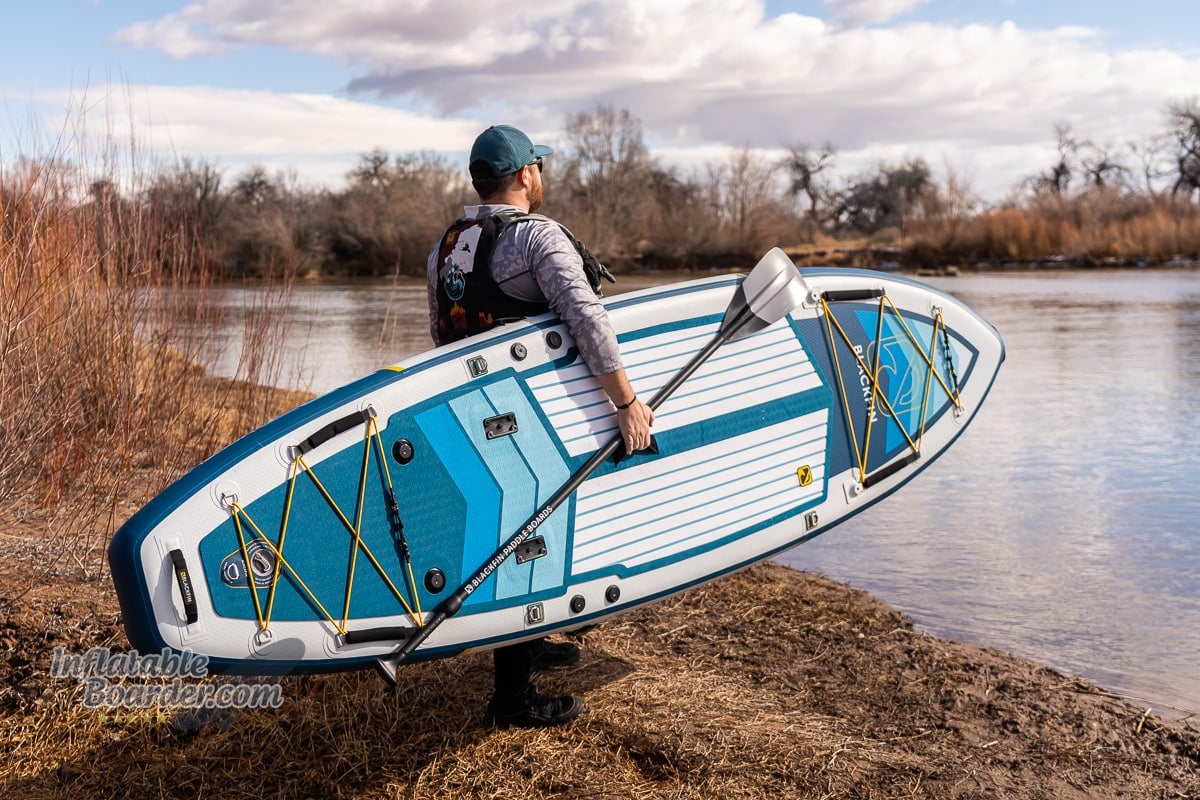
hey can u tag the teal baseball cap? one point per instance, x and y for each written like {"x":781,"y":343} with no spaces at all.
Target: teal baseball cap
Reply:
{"x":502,"y":150}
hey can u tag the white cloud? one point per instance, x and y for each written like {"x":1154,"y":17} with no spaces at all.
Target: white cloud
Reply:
{"x":320,"y":134}
{"x":857,"y":13}
{"x":698,"y":73}
{"x":171,"y":34}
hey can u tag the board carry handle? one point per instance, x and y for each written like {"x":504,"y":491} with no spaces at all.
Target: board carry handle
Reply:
{"x":771,"y":291}
{"x":184,"y":581}
{"x":649,"y":450}
{"x":389,"y":633}
{"x":890,"y":470}
{"x":849,"y":295}
{"x":331,"y":430}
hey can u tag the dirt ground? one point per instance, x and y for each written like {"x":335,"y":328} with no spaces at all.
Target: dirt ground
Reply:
{"x":770,"y":683}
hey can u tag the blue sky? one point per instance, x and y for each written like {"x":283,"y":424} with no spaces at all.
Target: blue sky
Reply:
{"x":976,"y":88}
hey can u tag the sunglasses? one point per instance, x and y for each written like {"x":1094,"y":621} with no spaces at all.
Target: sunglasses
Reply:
{"x":537,"y":162}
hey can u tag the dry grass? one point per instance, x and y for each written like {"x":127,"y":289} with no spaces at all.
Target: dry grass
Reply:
{"x":103,"y":321}
{"x":767,"y":684}
{"x":1096,"y":227}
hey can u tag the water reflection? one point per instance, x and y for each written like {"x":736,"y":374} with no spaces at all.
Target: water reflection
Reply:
{"x":332,"y":333}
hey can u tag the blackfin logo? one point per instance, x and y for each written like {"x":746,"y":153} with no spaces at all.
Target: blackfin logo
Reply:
{"x":897,"y":376}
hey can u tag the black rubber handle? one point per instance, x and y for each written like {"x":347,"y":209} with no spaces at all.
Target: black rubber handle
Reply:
{"x":333,"y":429}
{"x":394,"y":633}
{"x":185,"y":587}
{"x":890,"y":469}
{"x":847,"y":295}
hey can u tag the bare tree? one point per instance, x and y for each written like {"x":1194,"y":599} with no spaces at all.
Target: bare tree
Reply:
{"x":255,"y":188}
{"x":271,"y":230}
{"x":1057,"y":179}
{"x":805,"y":165}
{"x":188,"y":200}
{"x":191,"y":191}
{"x":748,"y":192}
{"x":1153,"y":160}
{"x":960,"y":200}
{"x":391,"y":211}
{"x":884,"y":197}
{"x":606,"y":166}
{"x":1102,"y":168}
{"x":372,"y":170}
{"x":1183,"y":117}
{"x":954,"y":202}
{"x":681,"y":227}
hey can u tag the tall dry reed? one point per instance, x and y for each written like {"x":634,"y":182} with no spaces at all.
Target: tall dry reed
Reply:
{"x":105,"y":323}
{"x":1092,"y":227}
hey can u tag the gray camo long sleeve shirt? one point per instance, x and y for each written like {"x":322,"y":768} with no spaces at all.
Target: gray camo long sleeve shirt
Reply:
{"x":534,"y":260}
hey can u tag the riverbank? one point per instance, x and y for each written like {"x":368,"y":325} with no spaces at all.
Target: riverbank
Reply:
{"x":770,"y":683}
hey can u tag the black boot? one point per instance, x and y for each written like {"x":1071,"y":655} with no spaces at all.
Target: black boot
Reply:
{"x":534,"y":710}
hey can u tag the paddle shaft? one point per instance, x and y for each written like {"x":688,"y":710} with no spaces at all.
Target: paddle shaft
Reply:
{"x":451,"y":605}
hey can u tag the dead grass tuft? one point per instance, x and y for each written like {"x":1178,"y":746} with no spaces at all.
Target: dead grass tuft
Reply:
{"x":103,"y":321}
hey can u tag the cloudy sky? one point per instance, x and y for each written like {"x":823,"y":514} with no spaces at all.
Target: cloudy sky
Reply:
{"x":976,"y":85}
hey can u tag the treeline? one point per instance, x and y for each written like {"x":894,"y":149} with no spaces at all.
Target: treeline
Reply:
{"x":1094,"y":202}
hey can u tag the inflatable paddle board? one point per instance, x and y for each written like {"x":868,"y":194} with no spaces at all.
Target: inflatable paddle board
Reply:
{"x":379,"y":523}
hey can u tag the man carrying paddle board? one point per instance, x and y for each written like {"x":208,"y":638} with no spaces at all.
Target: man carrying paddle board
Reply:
{"x":501,"y":262}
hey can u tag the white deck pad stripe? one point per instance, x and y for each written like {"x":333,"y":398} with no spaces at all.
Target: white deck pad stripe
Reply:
{"x":735,"y":378}
{"x":699,"y":492}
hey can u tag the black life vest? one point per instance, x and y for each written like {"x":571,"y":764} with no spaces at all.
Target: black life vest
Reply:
{"x":468,"y":297}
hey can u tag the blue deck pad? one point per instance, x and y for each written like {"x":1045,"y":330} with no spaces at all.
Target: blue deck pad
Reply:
{"x":521,"y":470}
{"x":474,"y":483}
{"x":540,"y":453}
{"x":318,"y":547}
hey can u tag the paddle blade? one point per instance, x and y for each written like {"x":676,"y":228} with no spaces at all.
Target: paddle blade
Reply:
{"x":771,"y":291}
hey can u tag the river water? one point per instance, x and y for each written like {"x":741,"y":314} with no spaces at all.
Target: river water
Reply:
{"x":1064,"y":526}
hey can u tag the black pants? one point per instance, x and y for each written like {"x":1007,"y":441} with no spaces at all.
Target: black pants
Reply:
{"x":514,"y":666}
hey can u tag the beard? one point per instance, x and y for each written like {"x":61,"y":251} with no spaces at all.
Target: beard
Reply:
{"x":534,"y":195}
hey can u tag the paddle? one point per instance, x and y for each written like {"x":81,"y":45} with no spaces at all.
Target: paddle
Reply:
{"x":771,"y":290}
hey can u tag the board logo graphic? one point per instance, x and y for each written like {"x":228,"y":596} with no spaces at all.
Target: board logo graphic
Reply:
{"x":895,"y":358}
{"x":805,"y":475}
